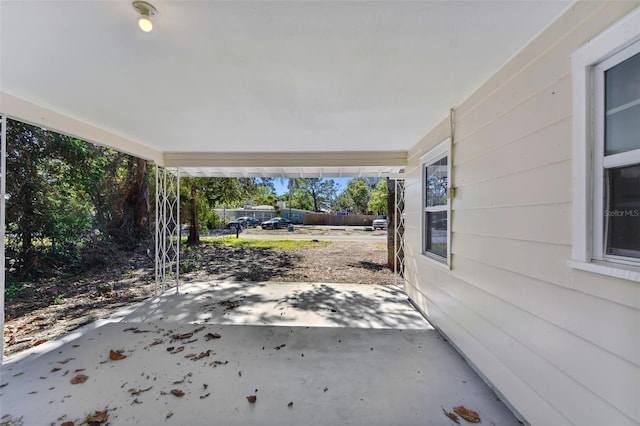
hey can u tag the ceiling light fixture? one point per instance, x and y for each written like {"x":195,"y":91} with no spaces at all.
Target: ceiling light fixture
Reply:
{"x":145,"y":10}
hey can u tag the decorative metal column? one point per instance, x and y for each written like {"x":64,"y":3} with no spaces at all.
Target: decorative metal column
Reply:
{"x":3,"y":191}
{"x":167,"y":228}
{"x":398,"y":231}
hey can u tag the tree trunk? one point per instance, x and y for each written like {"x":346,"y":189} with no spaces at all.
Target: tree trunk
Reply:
{"x":194,"y":235}
{"x":135,"y":211}
{"x":142,"y":200}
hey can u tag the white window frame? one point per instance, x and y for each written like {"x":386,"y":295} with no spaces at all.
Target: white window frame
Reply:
{"x":588,"y":163}
{"x":443,"y":149}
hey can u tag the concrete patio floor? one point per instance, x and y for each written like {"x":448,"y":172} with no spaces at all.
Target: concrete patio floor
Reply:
{"x":311,"y":354}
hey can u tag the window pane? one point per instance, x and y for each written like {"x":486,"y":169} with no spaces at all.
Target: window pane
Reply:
{"x":436,"y":179}
{"x":622,"y":214}
{"x":436,"y":238}
{"x":622,"y":106}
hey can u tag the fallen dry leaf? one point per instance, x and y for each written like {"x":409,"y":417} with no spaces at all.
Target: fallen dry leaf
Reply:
{"x":277,"y":348}
{"x":68,"y":424}
{"x":252,"y":398}
{"x":169,"y":414}
{"x":451,"y":416}
{"x":210,"y":336}
{"x":198,"y":329}
{"x":155,"y":342}
{"x":180,"y":349}
{"x":80,"y":378}
{"x":230,"y":304}
{"x":97,"y":417}
{"x":202,"y":355}
{"x":205,"y":396}
{"x":177,"y":392}
{"x":182,"y":336}
{"x":135,"y":391}
{"x":468,"y":415}
{"x":116,"y":356}
{"x":39,"y":342}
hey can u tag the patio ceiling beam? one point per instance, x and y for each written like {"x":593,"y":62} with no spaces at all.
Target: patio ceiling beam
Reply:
{"x":286,"y":159}
{"x":36,"y":115}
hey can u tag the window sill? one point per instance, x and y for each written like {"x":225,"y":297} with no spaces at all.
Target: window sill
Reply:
{"x":437,"y":260}
{"x":623,"y":272}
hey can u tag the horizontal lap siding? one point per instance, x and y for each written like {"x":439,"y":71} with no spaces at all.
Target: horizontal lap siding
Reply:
{"x":562,"y":346}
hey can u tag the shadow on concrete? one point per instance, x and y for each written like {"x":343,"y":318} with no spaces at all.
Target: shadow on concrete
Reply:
{"x":312,"y":304}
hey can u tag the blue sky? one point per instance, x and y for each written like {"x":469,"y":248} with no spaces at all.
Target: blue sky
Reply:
{"x":281,"y":185}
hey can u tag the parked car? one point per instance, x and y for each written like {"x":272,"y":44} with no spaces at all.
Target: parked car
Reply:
{"x":275,"y":223}
{"x":234,"y":225}
{"x":380,"y":222}
{"x":248,"y":221}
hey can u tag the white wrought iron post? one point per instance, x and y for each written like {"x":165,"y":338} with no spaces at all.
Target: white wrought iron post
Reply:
{"x":167,"y":227}
{"x":3,"y":191}
{"x":398,"y":231}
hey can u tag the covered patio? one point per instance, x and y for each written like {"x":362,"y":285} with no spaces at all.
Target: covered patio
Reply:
{"x":321,"y":89}
{"x":311,"y":353}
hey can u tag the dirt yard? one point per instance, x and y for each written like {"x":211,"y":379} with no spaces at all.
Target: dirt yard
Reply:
{"x":48,"y":309}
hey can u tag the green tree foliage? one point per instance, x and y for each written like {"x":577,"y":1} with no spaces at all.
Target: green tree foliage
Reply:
{"x":296,"y":197}
{"x":322,"y":192}
{"x":378,"y":198}
{"x":358,"y":192}
{"x":66,"y":196}
{"x":28,"y":201}
{"x":310,"y":193}
{"x":265,"y":196}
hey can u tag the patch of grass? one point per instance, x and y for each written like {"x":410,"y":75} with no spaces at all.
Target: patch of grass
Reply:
{"x":273,"y":244}
{"x":14,"y":288}
{"x":59,"y":299}
{"x":105,"y":288}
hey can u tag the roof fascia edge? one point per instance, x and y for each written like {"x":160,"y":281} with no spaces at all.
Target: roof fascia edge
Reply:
{"x":22,"y":110}
{"x":286,"y":159}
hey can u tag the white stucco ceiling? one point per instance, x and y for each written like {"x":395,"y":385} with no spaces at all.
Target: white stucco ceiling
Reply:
{"x":261,"y":76}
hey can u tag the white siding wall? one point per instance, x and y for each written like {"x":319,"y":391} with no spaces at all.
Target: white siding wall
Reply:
{"x":562,"y":346}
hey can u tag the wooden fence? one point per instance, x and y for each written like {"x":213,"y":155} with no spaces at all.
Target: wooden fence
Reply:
{"x":338,"y":220}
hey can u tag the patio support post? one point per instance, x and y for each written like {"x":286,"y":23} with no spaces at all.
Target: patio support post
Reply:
{"x":3,"y":191}
{"x":156,"y":233}
{"x":178,"y":229}
{"x":398,"y":229}
{"x":167,"y":242}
